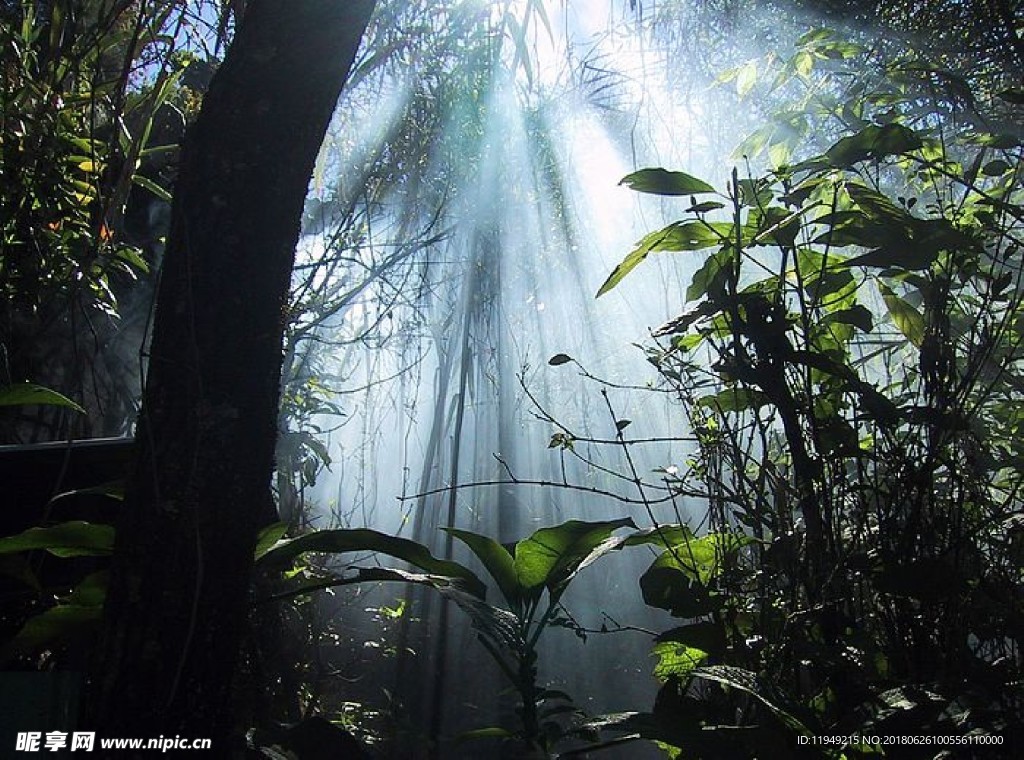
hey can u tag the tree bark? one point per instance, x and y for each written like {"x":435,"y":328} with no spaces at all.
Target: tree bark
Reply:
{"x":200,"y":488}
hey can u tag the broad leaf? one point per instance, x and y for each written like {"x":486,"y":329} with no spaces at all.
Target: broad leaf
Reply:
{"x":27,"y":394}
{"x":702,"y":557}
{"x":551,"y":557}
{"x":857,"y":315}
{"x":676,"y":659}
{"x":710,"y":279}
{"x":366,"y":540}
{"x":873,"y":142}
{"x":58,"y":624}
{"x":268,"y":537}
{"x":662,"y":182}
{"x":735,"y":399}
{"x":906,"y":318}
{"x":496,"y":559}
{"x":70,"y":539}
{"x":662,"y":536}
{"x":678,"y":236}
{"x":667,"y":587}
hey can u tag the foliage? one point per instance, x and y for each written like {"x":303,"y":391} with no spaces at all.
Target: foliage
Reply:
{"x":849,"y":364}
{"x":89,"y":122}
{"x":546,"y":561}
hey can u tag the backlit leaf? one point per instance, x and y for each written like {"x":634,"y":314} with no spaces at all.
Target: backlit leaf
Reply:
{"x":551,"y":557}
{"x":679,"y":236}
{"x":906,"y":318}
{"x":365,"y":540}
{"x":663,"y":182}
{"x":27,"y":394}
{"x":496,"y":559}
{"x":676,"y":659}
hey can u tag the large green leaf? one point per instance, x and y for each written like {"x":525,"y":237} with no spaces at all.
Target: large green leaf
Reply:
{"x":268,"y":537}
{"x":496,"y":559}
{"x":702,"y":557}
{"x":857,"y":315}
{"x":678,"y":236}
{"x":70,"y":539}
{"x":551,"y":557}
{"x":736,"y":399}
{"x":873,"y":142}
{"x":667,"y":587}
{"x":676,"y":659}
{"x":27,"y":394}
{"x":907,"y":319}
{"x":710,"y":279}
{"x":662,"y":182}
{"x":55,"y":625}
{"x":75,"y":614}
{"x":663,"y":536}
{"x":365,"y":540}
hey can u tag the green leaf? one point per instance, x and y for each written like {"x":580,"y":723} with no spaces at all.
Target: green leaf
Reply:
{"x":663,"y":536}
{"x":873,"y":142}
{"x":493,"y":732}
{"x":559,"y":359}
{"x":365,"y":540}
{"x":702,"y":557}
{"x":909,"y":257}
{"x":91,"y":591}
{"x":704,"y":207}
{"x":662,"y":182}
{"x":676,"y":659}
{"x":906,"y":318}
{"x":664,"y":585}
{"x":57,"y":624}
{"x":710,"y":279}
{"x":678,"y":236}
{"x":496,"y":559}
{"x":683,"y":321}
{"x":995,"y":168}
{"x":113,"y":490}
{"x":746,"y":78}
{"x":734,"y":399}
{"x":857,"y":315}
{"x":70,"y":539}
{"x":153,"y":187}
{"x":268,"y":537}
{"x":27,"y":394}
{"x":551,"y":557}
{"x":498,"y":625}
{"x":1013,"y":95}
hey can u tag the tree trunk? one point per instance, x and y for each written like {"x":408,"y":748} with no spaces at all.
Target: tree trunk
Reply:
{"x":200,"y":489}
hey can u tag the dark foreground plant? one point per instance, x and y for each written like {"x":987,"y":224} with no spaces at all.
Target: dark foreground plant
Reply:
{"x":531,"y":577}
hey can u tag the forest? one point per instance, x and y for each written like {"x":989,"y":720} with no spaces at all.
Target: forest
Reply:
{"x":433,"y":379}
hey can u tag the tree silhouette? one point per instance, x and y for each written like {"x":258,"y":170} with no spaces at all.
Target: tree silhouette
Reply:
{"x":199,"y":490}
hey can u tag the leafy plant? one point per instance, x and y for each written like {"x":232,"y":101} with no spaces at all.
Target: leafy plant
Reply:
{"x":847,"y":363}
{"x":531,"y":576}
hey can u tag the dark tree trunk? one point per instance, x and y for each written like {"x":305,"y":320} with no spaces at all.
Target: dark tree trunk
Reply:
{"x":199,"y":492}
